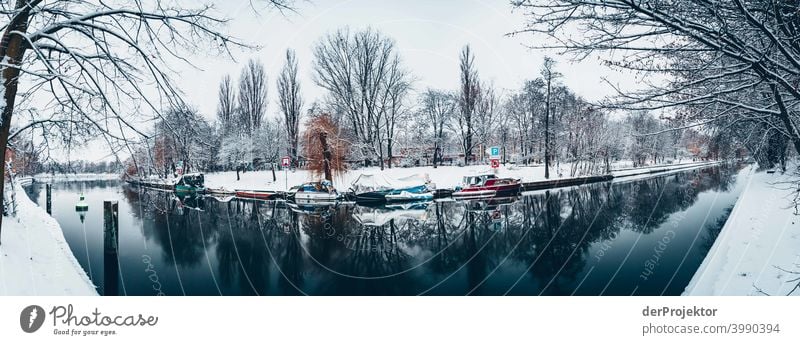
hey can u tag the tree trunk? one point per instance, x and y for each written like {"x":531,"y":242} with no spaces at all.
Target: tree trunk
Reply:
{"x":547,"y":145}
{"x":435,"y":156}
{"x":12,"y":51}
{"x":380,"y":156}
{"x":468,"y":143}
{"x":547,"y":133}
{"x":293,"y":154}
{"x":784,"y":117}
{"x":326,"y":155}
{"x":389,"y":151}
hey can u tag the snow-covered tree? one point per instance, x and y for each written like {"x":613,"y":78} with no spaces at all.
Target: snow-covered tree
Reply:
{"x":365,"y":82}
{"x":550,"y":76}
{"x":252,"y":106}
{"x":437,"y":108}
{"x":467,"y":100}
{"x":726,"y":61}
{"x":91,"y":69}
{"x":291,"y":103}
{"x":226,"y":106}
{"x":184,"y":136}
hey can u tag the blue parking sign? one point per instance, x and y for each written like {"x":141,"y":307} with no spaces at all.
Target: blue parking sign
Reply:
{"x":494,"y":152}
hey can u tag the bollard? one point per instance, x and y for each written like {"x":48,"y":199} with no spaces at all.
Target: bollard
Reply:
{"x":49,"y":189}
{"x":110,"y":248}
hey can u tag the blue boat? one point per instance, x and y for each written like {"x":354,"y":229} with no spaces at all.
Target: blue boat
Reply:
{"x":375,"y":189}
{"x":416,"y":193}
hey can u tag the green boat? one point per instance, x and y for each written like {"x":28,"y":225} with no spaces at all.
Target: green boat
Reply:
{"x":190,"y":184}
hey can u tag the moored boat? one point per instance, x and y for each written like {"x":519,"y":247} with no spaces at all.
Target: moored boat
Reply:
{"x":487,"y":186}
{"x":155,"y":183}
{"x":314,"y":191}
{"x":220,"y":191}
{"x":255,"y":194}
{"x":190,"y":183}
{"x":376,"y":189}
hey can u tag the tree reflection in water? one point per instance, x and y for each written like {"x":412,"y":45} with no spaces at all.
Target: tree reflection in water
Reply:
{"x":536,"y":244}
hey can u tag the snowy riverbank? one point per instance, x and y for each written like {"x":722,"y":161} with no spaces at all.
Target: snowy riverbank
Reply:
{"x":35,"y":259}
{"x":74,"y":177}
{"x":759,"y":243}
{"x":443,"y":176}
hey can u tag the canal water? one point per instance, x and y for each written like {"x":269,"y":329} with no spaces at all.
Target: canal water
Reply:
{"x":638,"y":237}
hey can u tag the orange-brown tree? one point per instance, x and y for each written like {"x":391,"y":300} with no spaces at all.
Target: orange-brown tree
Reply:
{"x":324,"y":148}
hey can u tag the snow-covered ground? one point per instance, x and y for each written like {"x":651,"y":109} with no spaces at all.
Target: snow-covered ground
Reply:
{"x":660,"y":168}
{"x":443,"y":176}
{"x":759,"y":243}
{"x":35,"y":259}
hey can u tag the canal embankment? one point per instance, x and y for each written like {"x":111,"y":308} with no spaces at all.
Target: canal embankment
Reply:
{"x":444,"y":177}
{"x":35,"y":259}
{"x":756,"y":252}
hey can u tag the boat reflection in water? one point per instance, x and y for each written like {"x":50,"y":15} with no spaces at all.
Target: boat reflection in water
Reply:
{"x":586,"y":240}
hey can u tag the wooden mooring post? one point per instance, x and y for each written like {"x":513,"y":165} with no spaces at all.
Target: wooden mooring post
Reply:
{"x":110,"y":248}
{"x":49,"y":191}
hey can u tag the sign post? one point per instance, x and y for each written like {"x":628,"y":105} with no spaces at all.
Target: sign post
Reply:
{"x":494,"y":157}
{"x":494,"y":152}
{"x":286,"y":161}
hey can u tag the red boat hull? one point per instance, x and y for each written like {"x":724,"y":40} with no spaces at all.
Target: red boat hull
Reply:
{"x":253,"y":194}
{"x":488,"y":191}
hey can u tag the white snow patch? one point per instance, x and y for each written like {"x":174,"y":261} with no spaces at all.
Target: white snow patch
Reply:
{"x":760,"y":240}
{"x":35,"y":259}
{"x":75,"y":177}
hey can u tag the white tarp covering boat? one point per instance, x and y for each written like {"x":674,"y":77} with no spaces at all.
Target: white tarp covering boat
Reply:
{"x":378,"y":182}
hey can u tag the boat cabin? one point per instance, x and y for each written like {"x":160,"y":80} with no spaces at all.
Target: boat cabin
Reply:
{"x":478,"y":180}
{"x":192,"y":180}
{"x":323,"y":186}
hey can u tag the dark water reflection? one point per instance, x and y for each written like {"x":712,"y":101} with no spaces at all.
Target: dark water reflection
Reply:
{"x":644,"y":237}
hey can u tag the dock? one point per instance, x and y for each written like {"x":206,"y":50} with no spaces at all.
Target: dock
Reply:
{"x":564,"y":182}
{"x":155,"y":184}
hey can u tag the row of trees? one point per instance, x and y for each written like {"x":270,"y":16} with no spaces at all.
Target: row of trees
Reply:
{"x":379,"y":116}
{"x":732,"y":67}
{"x":371,"y":95}
{"x":544,"y":122}
{"x":74,"y":71}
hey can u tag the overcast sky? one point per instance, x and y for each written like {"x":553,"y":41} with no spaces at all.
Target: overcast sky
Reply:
{"x":429,"y":36}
